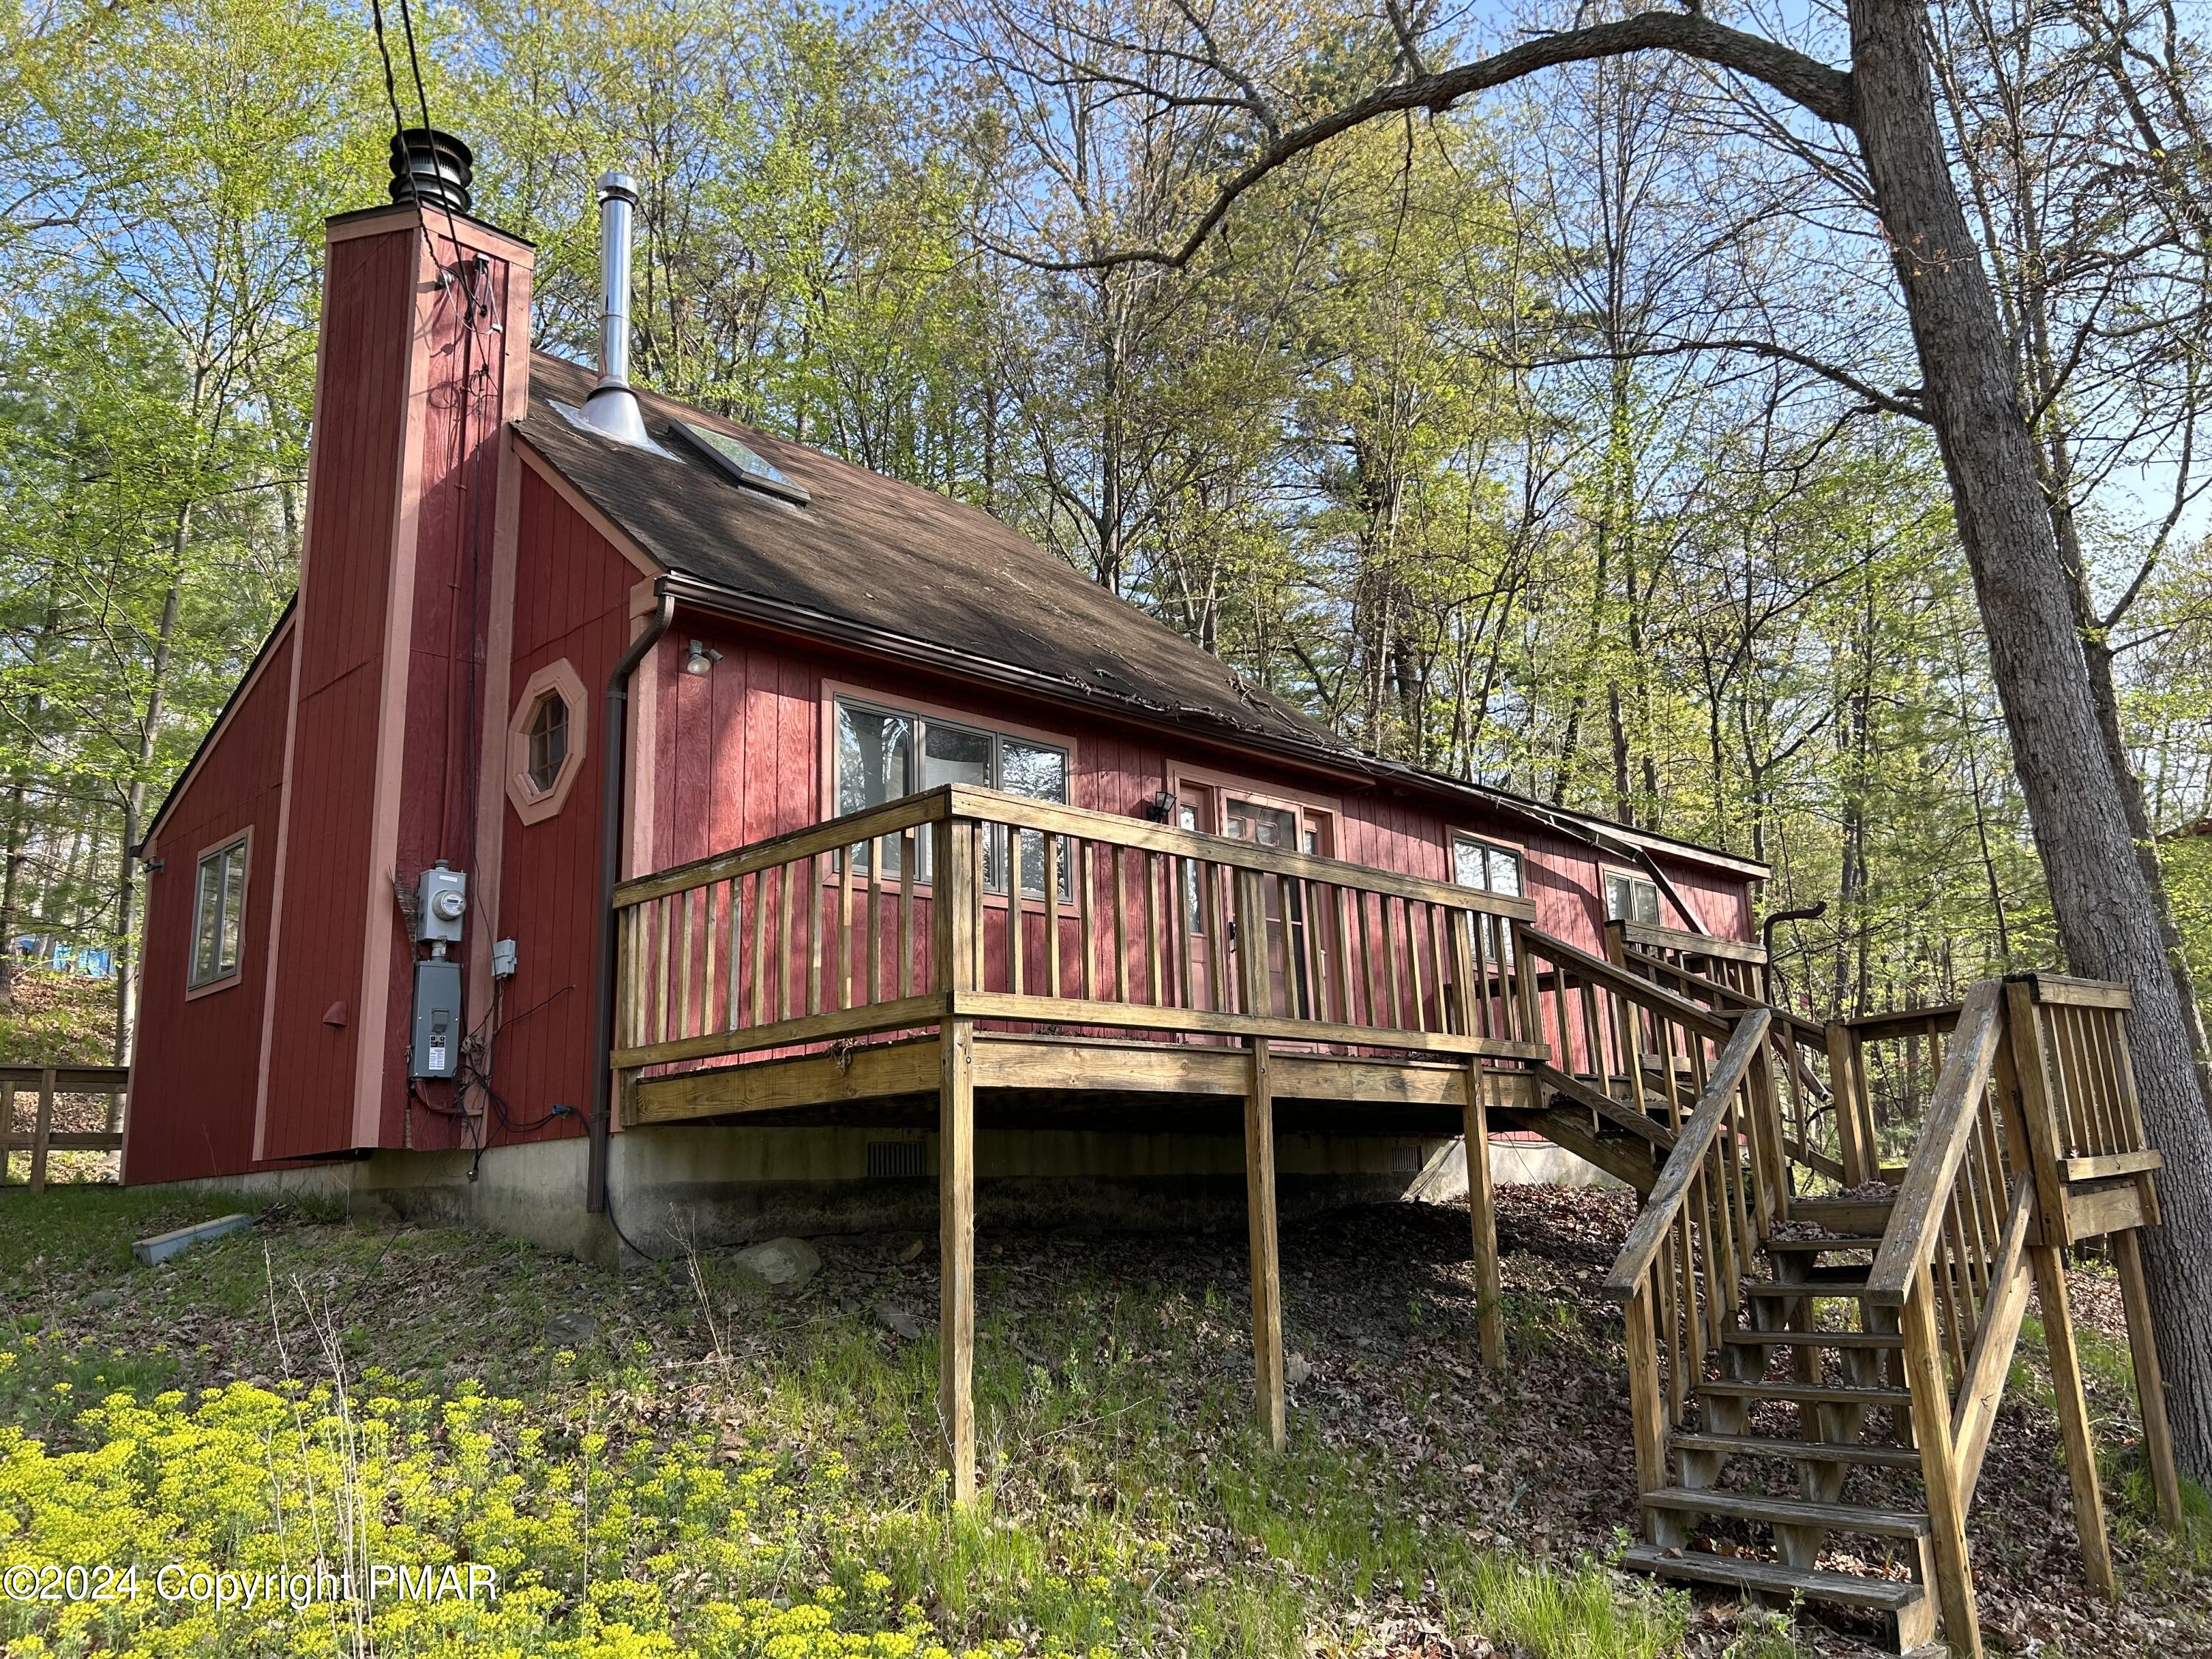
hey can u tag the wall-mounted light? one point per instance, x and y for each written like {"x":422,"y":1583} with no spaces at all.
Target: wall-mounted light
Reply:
{"x":702,"y":659}
{"x":1161,"y":808}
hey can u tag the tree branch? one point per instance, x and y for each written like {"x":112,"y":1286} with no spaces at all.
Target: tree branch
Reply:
{"x":1805,"y":81}
{"x":1901,"y":402}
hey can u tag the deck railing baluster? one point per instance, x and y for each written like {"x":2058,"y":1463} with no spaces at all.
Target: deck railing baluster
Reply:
{"x":708,"y":931}
{"x":909,"y":846}
{"x":1115,"y":856}
{"x":1414,"y":985}
{"x":757,"y":932}
{"x":661,"y":973}
{"x":789,"y":876}
{"x":845,"y":927}
{"x":1150,"y":862}
{"x":1051,"y":907}
{"x":1087,"y":873}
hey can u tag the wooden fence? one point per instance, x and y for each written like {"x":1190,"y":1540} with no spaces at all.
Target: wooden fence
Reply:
{"x":46,"y":1084}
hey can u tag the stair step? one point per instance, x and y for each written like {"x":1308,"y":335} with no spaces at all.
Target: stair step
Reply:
{"x":1890,"y":1595}
{"x":1816,"y":1394}
{"x":1813,"y":1451}
{"x":1813,"y":1340}
{"x":1789,"y":1512}
{"x":1816,"y":1246}
{"x":1844,"y":1215}
{"x":1818,"y":1281}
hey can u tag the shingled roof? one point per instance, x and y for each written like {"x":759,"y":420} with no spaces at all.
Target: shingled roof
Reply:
{"x":897,"y":560}
{"x":905,"y":568}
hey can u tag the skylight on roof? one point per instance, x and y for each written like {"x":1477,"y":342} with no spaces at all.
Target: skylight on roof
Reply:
{"x":744,"y":464}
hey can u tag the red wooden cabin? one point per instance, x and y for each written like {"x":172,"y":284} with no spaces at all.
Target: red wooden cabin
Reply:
{"x":782,"y":640}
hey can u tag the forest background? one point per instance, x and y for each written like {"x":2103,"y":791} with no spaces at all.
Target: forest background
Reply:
{"x":1562,"y":441}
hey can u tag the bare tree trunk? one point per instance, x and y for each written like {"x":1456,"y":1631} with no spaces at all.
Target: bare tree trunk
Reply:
{"x":134,"y":800}
{"x":2107,"y":919}
{"x":11,"y":885}
{"x":17,"y":852}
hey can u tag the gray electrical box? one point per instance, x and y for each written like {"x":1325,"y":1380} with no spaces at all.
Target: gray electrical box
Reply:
{"x":441,"y":899}
{"x":435,"y":1049}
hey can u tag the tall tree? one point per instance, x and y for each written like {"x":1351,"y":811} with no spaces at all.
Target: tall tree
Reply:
{"x":1884,"y":104}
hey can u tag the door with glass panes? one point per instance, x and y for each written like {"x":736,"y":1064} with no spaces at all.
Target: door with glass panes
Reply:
{"x":1242,"y":815}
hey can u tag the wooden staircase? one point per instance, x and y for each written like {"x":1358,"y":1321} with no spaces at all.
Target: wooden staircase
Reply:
{"x":1802,"y":1448}
{"x":1817,"y":1343}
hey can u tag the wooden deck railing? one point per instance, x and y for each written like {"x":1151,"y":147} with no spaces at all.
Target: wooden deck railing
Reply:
{"x":46,"y":1084}
{"x":1815,"y":1121}
{"x":1618,"y":1043}
{"x":1679,"y":1277}
{"x":970,"y":903}
{"x":1953,"y":1260}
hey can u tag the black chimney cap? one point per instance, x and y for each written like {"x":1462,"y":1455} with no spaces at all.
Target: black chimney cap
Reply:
{"x":433,"y":167}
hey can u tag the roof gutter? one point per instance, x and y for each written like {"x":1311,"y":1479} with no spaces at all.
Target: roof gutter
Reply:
{"x":614,"y":777}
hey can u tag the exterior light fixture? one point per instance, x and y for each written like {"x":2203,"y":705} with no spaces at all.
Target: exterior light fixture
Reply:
{"x":702,"y":659}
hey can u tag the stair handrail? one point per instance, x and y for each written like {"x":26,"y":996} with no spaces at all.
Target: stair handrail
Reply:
{"x":1947,"y":1136}
{"x":1696,"y":1016}
{"x":1805,"y":1097}
{"x":1953,"y":1263}
{"x":1692,"y":1146}
{"x":1678,"y":1276}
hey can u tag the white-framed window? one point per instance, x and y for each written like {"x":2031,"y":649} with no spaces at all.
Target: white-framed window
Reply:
{"x":1631,"y":898}
{"x":1489,"y":868}
{"x":1486,"y":865}
{"x":885,"y":753}
{"x":218,"y":915}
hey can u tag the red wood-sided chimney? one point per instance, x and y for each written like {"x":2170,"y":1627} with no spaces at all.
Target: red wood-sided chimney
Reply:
{"x":424,"y":356}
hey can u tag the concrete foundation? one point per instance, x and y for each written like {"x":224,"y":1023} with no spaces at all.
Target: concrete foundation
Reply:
{"x":1512,"y":1163}
{"x":720,"y":1185}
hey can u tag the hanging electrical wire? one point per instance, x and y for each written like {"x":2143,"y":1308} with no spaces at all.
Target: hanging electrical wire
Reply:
{"x":472,"y":277}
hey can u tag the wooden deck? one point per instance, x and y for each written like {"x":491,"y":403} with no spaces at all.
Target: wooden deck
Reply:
{"x":964,"y":956}
{"x":1073,"y":1081}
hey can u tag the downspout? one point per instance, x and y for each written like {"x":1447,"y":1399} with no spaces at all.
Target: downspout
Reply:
{"x":1809,"y":913}
{"x":614,"y":775}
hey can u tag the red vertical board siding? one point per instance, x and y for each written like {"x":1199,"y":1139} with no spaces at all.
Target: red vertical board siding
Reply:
{"x":360,"y":415}
{"x":741,"y":752}
{"x":444,"y":708}
{"x":192,"y":1100}
{"x":572,"y":601}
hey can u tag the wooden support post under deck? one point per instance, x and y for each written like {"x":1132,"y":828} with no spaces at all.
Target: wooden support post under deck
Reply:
{"x":1267,"y":1279}
{"x":1482,"y":1214}
{"x":956,"y":1255}
{"x":2057,"y":1305}
{"x":1939,"y":1467}
{"x":1647,"y":1408}
{"x":2151,"y":1377}
{"x":43,"y":1131}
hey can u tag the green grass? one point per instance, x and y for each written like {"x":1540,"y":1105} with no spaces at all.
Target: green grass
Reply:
{"x":2108,"y":1379}
{"x":1576,"y":1614}
{"x":684,"y":1459}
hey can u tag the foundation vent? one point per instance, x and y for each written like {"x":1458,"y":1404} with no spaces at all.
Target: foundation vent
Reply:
{"x":891,"y":1159}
